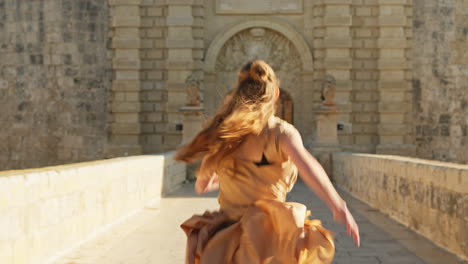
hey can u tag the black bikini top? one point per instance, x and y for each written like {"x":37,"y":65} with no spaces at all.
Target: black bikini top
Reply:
{"x":263,"y":162}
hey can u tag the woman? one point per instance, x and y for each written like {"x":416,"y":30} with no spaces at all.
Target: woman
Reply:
{"x":253,"y":158}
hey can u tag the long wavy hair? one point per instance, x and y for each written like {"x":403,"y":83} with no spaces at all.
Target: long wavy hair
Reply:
{"x":245,"y":111}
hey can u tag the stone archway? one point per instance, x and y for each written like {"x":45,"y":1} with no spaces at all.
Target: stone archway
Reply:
{"x":276,"y":25}
{"x":275,"y":42}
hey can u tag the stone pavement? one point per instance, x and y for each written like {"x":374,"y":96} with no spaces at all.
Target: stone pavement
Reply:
{"x":154,"y":237}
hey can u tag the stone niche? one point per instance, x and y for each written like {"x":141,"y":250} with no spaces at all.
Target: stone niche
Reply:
{"x":258,"y":6}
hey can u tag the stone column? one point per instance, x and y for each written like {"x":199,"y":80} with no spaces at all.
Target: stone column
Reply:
{"x":125,"y":104}
{"x":394,"y":79}
{"x":325,"y":115}
{"x":180,"y":63}
{"x":326,"y":136}
{"x":192,"y":124}
{"x":337,"y":62}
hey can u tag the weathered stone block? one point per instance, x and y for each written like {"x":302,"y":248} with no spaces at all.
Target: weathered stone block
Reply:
{"x":335,"y":42}
{"x":391,"y":140}
{"x":337,"y":21}
{"x":126,"y":43}
{"x":363,"y":140}
{"x":392,"y":118}
{"x":72,"y":141}
{"x":129,"y":63}
{"x":124,"y":2}
{"x":125,"y":107}
{"x":154,"y":11}
{"x":392,"y":64}
{"x":392,"y":75}
{"x":392,"y":32}
{"x":126,"y":117}
{"x":393,"y":107}
{"x":337,"y":63}
{"x":127,"y":75}
{"x":393,"y":2}
{"x":125,"y":128}
{"x":154,"y":32}
{"x":391,"y":129}
{"x":394,"y":43}
{"x":126,"y":21}
{"x":364,"y":53}
{"x":126,"y":85}
{"x":337,"y":10}
{"x":120,"y":12}
{"x":392,"y":96}
{"x":363,"y":32}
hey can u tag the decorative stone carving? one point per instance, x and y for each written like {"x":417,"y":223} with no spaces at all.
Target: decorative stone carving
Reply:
{"x":259,"y":43}
{"x":329,"y":91}
{"x":193,"y":84}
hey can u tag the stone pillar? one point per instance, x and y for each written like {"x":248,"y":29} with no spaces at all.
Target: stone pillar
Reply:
{"x":180,"y":63}
{"x":394,"y":80}
{"x":153,"y":84}
{"x":326,"y":136}
{"x":125,"y":104}
{"x":192,"y":124}
{"x":337,"y":62}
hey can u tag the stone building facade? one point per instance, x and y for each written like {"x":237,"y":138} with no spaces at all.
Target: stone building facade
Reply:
{"x":83,"y":80}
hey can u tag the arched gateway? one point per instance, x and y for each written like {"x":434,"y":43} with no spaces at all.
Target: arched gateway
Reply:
{"x":273,"y":41}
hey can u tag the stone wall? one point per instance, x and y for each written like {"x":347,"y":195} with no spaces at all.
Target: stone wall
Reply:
{"x":46,"y":212}
{"x":82,"y":80}
{"x":440,"y":79}
{"x":428,"y":196}
{"x":54,"y":81}
{"x":157,"y":45}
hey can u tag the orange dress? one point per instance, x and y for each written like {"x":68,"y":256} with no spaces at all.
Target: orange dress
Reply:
{"x":255,"y":224}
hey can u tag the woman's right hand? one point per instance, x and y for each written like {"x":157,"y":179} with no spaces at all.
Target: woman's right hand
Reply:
{"x":342,"y":215}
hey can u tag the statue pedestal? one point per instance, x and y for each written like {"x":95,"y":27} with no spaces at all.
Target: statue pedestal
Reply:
{"x":192,"y":124}
{"x":326,"y":136}
{"x":193,"y":121}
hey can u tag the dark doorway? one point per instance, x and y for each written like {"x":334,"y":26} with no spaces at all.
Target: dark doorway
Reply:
{"x":284,"y":108}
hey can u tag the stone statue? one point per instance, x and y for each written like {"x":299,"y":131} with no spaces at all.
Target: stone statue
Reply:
{"x":192,"y":84}
{"x":329,"y":91}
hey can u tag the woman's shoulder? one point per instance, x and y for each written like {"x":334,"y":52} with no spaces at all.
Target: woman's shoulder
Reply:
{"x":283,"y":127}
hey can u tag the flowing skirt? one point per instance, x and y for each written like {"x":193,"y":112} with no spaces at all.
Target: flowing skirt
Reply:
{"x":268,"y":232}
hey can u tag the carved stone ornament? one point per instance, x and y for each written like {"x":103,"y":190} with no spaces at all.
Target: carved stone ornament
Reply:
{"x":193,"y":84}
{"x":259,"y":43}
{"x":329,"y":91}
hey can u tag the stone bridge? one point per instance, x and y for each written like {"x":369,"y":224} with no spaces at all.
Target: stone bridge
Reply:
{"x":128,"y":210}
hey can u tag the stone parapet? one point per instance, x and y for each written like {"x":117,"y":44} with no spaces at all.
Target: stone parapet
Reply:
{"x":46,"y":212}
{"x":427,"y":196}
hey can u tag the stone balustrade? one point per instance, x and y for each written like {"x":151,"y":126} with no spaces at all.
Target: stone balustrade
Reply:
{"x":429,"y":197}
{"x":46,"y":212}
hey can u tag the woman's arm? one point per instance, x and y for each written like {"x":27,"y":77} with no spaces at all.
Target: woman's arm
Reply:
{"x":206,"y":181}
{"x":313,"y":174}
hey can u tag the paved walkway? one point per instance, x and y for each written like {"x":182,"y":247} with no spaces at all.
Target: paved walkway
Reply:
{"x":154,"y":236}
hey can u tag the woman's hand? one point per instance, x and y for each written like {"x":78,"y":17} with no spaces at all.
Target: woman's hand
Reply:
{"x":343,"y":215}
{"x":204,"y":185}
{"x":207,"y":181}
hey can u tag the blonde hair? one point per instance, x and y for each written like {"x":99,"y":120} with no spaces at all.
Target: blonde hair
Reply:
{"x":245,"y":112}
